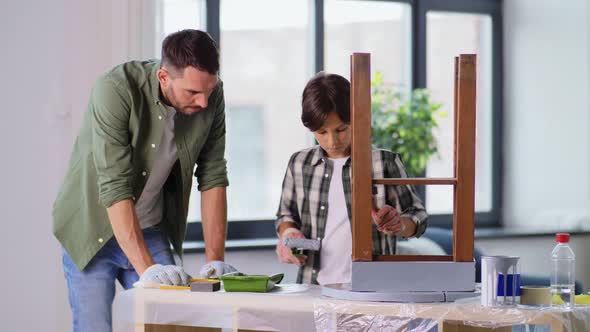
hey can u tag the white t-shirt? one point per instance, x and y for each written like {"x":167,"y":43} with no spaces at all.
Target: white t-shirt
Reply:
{"x":336,"y":250}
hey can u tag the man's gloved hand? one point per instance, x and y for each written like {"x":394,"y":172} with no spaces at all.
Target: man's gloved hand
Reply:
{"x":158,"y":274}
{"x":214,"y":269}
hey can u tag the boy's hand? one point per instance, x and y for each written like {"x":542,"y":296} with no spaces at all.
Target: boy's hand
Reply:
{"x":285,"y":254}
{"x":388,"y":220}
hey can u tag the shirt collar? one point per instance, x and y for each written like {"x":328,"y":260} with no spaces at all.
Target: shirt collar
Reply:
{"x":155,"y":82}
{"x":319,"y":156}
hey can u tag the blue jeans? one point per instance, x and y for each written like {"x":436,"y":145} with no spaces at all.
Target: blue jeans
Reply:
{"x":91,"y":291}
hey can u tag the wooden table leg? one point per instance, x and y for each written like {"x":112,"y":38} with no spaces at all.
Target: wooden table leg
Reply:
{"x":557,"y":325}
{"x":178,"y":328}
{"x":457,"y":326}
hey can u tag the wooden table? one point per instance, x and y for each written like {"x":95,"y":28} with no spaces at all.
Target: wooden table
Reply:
{"x":302,"y":308}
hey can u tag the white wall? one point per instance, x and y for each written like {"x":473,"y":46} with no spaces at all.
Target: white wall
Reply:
{"x":31,"y":91}
{"x":547,"y":113}
{"x":52,"y":51}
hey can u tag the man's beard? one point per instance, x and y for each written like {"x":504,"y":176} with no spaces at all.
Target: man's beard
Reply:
{"x":186,"y":110}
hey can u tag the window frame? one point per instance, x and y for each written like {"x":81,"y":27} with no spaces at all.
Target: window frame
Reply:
{"x":493,"y":8}
{"x":260,"y":229}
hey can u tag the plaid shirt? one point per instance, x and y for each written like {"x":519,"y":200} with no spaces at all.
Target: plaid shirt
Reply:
{"x":304,"y":200}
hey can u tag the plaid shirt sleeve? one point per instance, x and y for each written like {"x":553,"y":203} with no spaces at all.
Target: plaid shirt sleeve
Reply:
{"x":404,"y":197}
{"x":288,"y":211}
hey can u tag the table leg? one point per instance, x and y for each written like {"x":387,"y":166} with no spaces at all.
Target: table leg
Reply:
{"x":556,"y":325}
{"x":457,"y":326}
{"x":178,"y":328}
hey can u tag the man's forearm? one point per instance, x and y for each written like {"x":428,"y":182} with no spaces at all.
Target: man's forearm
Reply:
{"x":214,"y":221}
{"x":129,"y":235}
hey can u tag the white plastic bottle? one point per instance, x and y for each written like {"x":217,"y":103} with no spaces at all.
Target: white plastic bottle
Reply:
{"x":563,"y":276}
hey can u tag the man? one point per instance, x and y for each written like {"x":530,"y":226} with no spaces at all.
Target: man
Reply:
{"x":130,"y":175}
{"x":316,"y":196}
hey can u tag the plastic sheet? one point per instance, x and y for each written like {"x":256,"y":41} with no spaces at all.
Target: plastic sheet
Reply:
{"x":338,"y":315}
{"x":288,"y":308}
{"x":296,"y":308}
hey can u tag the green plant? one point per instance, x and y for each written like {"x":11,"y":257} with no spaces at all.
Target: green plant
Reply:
{"x":404,"y":123}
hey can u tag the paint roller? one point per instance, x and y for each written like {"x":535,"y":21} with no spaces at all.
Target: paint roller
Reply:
{"x":299,"y":244}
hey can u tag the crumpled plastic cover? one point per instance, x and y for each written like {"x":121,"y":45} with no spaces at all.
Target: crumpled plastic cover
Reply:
{"x":288,"y":307}
{"x":339,"y":315}
{"x":297,"y":308}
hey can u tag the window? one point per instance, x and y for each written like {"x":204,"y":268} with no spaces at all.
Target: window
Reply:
{"x":265,"y":63}
{"x":269,"y":49}
{"x":246,"y":156}
{"x":379,"y":28}
{"x":175,"y":15}
{"x":441,"y":30}
{"x":450,"y":34}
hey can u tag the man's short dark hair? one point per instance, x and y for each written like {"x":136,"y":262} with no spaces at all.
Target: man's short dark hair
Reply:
{"x":190,"y":48}
{"x":323,"y":94}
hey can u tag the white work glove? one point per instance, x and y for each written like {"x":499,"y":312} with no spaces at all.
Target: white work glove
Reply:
{"x":159,"y":274}
{"x":214,"y":269}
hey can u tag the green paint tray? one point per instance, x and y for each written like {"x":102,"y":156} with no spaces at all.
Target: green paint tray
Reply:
{"x":238,"y":282}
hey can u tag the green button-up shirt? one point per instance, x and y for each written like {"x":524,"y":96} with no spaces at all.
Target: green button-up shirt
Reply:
{"x":118,"y":141}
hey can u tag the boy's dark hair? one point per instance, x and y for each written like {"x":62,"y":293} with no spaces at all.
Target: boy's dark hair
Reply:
{"x":323,"y":94}
{"x":190,"y":48}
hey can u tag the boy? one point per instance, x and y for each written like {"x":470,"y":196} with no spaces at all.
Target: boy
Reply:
{"x":316,"y":196}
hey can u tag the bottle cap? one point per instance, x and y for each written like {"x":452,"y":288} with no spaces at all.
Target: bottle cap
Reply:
{"x":562,"y":237}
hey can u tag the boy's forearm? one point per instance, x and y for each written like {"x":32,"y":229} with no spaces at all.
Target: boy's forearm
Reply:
{"x":286,"y":225}
{"x":409,"y":227}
